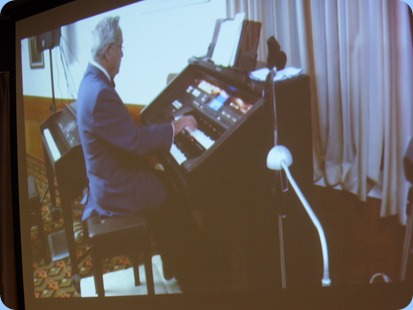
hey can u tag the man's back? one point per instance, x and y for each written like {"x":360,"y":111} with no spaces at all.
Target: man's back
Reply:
{"x":114,"y":149}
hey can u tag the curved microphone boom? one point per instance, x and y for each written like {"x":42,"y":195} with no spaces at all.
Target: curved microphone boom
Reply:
{"x":279,"y":158}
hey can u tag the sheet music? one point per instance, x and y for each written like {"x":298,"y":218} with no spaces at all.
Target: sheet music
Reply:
{"x":227,"y":42}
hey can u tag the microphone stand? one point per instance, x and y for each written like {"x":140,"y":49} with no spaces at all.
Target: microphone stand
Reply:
{"x":279,"y":159}
{"x":279,"y":185}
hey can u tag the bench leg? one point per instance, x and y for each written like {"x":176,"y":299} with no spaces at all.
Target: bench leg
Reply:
{"x":148,"y":270}
{"x":97,"y":274}
{"x":135,"y":265}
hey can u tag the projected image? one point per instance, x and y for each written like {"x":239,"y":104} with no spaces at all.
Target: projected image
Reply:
{"x":150,"y":169}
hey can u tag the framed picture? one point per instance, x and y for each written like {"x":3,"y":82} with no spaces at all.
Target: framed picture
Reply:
{"x":36,"y":58}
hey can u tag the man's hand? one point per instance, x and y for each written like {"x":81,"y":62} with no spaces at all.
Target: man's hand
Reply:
{"x":187,"y":121}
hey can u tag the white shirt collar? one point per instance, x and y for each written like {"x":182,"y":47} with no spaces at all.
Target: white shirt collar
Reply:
{"x":99,"y":66}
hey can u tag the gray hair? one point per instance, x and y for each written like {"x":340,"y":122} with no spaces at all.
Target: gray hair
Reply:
{"x":107,"y":31}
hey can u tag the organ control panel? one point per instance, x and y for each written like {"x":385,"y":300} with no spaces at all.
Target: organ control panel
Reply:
{"x":219,"y":105}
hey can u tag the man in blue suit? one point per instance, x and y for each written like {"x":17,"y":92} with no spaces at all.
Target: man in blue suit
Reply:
{"x":121,"y":183}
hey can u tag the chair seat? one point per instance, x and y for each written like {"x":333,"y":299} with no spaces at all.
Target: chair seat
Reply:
{"x":115,"y":229}
{"x":120,"y":235}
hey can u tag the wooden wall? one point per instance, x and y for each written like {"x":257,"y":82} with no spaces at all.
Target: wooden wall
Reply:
{"x":37,"y":110}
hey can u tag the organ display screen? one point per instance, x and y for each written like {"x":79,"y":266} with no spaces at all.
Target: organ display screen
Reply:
{"x":218,"y":100}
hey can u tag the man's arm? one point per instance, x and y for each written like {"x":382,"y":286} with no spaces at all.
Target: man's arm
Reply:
{"x":113,"y":124}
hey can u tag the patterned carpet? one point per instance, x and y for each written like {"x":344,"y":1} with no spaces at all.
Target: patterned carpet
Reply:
{"x":53,"y":278}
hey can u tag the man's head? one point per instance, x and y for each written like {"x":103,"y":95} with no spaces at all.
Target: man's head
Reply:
{"x":107,"y":44}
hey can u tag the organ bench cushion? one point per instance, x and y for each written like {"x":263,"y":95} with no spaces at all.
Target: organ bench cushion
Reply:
{"x":116,"y":229}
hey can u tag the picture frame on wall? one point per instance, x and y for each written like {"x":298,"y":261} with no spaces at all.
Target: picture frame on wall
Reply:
{"x":36,"y":57}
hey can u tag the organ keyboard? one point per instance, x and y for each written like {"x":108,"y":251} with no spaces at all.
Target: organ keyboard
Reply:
{"x":219,"y":105}
{"x":192,"y":143}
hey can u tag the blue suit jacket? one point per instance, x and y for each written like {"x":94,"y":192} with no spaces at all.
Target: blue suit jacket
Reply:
{"x":120,"y":182}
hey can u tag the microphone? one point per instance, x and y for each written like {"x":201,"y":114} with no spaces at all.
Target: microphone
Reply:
{"x":276,"y":57}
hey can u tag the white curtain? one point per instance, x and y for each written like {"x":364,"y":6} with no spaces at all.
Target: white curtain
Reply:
{"x":358,"y":54}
